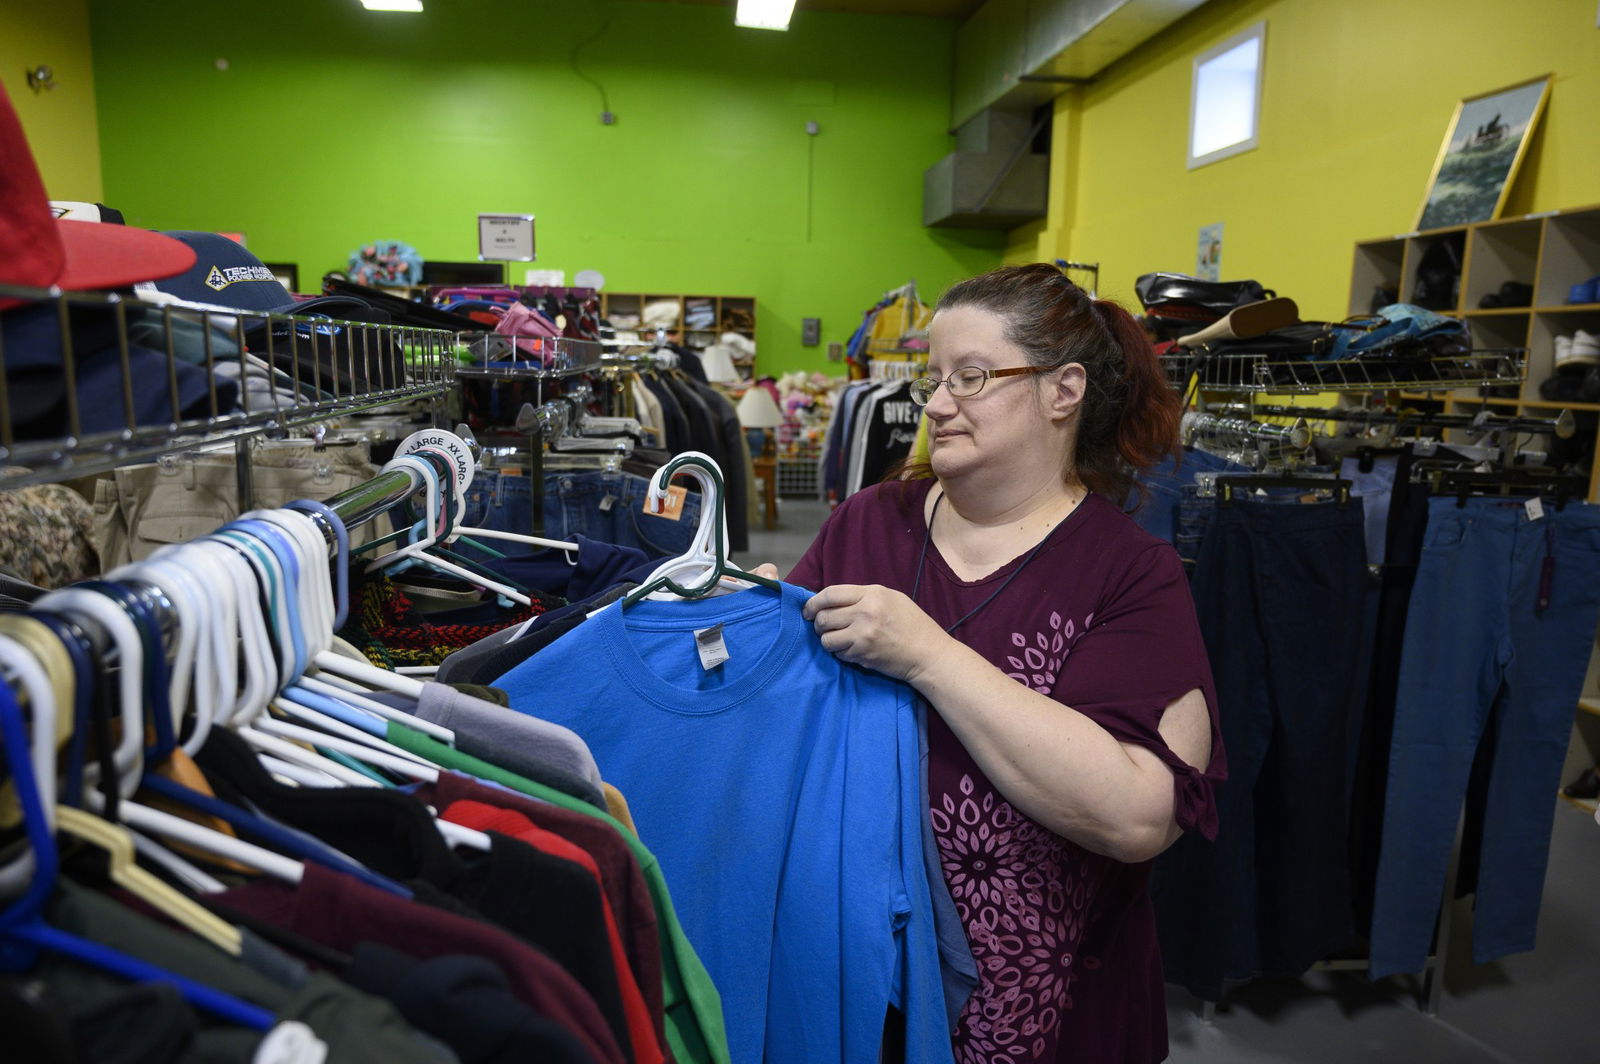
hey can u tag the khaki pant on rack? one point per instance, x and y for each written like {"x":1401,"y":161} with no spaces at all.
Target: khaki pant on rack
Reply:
{"x":138,"y":509}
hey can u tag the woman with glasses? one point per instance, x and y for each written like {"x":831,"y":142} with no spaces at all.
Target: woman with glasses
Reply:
{"x":1074,"y":732}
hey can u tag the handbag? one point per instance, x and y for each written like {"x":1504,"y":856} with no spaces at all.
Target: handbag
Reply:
{"x":1181,"y":296}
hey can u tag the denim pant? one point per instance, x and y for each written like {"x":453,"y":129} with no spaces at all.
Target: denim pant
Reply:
{"x":1501,"y":617}
{"x":608,"y":507}
{"x":1166,"y":484}
{"x":1376,"y":487}
{"x":1279,"y":592}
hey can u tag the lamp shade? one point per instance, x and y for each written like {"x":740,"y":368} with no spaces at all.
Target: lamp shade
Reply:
{"x":717,"y":361}
{"x":758,"y":410}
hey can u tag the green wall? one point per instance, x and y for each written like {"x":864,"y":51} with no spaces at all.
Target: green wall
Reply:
{"x":332,"y":127}
{"x":1356,"y":99}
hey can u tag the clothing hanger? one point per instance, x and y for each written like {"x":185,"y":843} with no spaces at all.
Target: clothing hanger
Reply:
{"x":41,"y":750}
{"x":707,"y":556}
{"x":418,"y":550}
{"x":92,"y":829}
{"x":22,"y":926}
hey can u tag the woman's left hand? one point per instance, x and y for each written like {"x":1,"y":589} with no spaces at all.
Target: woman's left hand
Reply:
{"x":875,"y":627}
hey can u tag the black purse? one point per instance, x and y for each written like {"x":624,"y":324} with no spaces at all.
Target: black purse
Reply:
{"x":1166,"y":292}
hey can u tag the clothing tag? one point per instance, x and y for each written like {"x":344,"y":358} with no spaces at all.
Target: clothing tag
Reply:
{"x":672,"y":508}
{"x":607,"y":503}
{"x":291,"y":1042}
{"x":1534,"y":507}
{"x":708,"y":642}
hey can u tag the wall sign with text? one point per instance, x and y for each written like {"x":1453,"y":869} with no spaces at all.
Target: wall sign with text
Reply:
{"x":505,"y":237}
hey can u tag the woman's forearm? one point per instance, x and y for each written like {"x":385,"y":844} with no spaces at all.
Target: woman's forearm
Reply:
{"x":1053,"y":763}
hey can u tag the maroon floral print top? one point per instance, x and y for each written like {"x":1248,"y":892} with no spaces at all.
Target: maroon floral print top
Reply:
{"x":1100,"y":619}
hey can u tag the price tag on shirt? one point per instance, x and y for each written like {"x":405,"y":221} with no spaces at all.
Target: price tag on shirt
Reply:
{"x":1534,"y":508}
{"x":672,"y":509}
{"x":708,"y":643}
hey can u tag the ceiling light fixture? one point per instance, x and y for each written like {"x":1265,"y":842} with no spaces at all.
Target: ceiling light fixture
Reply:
{"x":413,"y":6}
{"x":763,"y":14}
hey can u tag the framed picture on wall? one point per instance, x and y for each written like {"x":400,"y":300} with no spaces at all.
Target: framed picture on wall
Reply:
{"x":1482,"y":149}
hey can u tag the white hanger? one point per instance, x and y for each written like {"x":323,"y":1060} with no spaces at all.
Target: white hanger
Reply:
{"x":129,"y":754}
{"x":418,"y":550}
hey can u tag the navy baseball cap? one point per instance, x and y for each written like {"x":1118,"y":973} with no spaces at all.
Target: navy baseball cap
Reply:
{"x":225,"y":273}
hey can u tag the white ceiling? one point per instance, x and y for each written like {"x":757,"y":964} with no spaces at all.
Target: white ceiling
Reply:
{"x":958,"y":9}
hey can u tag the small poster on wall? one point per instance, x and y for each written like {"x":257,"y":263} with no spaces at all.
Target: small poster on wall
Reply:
{"x":1208,"y":255}
{"x":505,"y":237}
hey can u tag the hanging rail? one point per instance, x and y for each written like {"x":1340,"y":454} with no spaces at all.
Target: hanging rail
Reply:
{"x":1224,"y":428}
{"x":1561,"y":426}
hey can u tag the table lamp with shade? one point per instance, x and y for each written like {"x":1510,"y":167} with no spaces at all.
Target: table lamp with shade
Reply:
{"x":758,"y":410}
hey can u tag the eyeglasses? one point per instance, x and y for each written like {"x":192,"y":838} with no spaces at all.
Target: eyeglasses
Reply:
{"x":966,"y":381}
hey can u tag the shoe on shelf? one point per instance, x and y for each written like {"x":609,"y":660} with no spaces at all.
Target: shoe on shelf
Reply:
{"x":1585,"y":786}
{"x":1579,"y":349}
{"x":1585,"y":291}
{"x":1511,"y":294}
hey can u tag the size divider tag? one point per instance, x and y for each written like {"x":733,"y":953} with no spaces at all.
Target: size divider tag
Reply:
{"x":451,"y":444}
{"x":1534,"y":508}
{"x":672,"y":508}
{"x":709,"y":645}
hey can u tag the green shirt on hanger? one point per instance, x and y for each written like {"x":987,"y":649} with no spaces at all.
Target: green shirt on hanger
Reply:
{"x":693,"y":1007}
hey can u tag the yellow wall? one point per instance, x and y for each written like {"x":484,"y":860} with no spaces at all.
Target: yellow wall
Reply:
{"x":1356,"y":98}
{"x":61,"y":123}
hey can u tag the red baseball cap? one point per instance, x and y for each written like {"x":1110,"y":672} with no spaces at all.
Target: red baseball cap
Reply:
{"x":37,"y":250}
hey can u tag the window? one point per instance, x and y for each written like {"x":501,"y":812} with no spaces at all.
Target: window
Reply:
{"x":1225,"y":103}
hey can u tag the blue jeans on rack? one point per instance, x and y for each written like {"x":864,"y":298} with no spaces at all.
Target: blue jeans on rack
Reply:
{"x":1500,"y":621}
{"x":608,"y":507}
{"x":1376,"y":488}
{"x":1279,"y":591}
{"x":1166,"y":483}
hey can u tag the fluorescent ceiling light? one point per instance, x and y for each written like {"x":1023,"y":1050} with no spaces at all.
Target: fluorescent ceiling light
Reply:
{"x":763,"y":14}
{"x":392,"y":5}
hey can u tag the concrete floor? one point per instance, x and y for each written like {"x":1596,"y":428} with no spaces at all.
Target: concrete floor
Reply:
{"x":1532,"y":1008}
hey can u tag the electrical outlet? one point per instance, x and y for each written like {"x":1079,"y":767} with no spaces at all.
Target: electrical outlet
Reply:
{"x":810,"y":332}
{"x":836,"y":352}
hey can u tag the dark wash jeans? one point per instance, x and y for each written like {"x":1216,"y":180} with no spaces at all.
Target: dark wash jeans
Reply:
{"x":1279,"y":590}
{"x":1479,"y":646}
{"x":608,"y":507}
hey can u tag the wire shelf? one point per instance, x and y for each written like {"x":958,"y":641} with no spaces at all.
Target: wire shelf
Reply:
{"x":1257,"y":374}
{"x":89,"y":381}
{"x":531,"y":357}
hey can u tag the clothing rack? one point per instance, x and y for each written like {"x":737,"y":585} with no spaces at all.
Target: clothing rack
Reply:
{"x":1222,"y":428}
{"x":385,"y":364}
{"x":1258,"y":373}
{"x":1561,"y":426}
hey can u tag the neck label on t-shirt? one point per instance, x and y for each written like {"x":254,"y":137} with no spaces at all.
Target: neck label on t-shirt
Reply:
{"x":291,"y":1042}
{"x":708,"y":642}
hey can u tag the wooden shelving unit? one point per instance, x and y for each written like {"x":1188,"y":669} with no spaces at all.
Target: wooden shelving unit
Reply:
{"x":1551,"y":251}
{"x":699,"y":320}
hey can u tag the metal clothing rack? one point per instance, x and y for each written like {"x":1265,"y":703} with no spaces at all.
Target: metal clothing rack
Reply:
{"x":1252,"y":373}
{"x":1561,"y":426}
{"x":1241,"y":378}
{"x":553,"y":409}
{"x":381,"y":365}
{"x":1222,"y":429}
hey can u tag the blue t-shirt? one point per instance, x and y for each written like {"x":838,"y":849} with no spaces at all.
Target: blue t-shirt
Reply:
{"x":779,"y":790}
